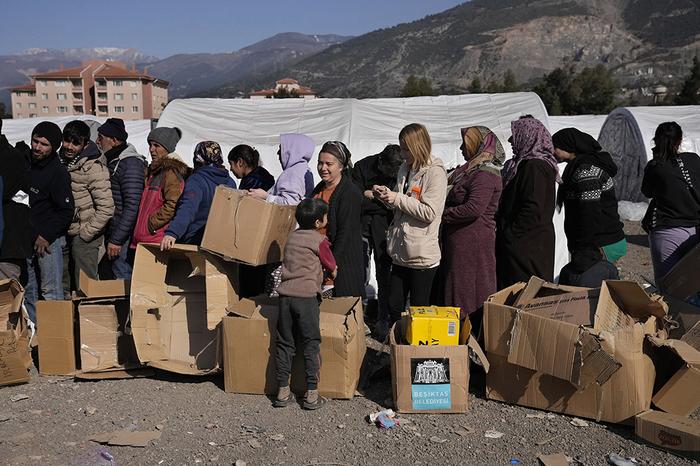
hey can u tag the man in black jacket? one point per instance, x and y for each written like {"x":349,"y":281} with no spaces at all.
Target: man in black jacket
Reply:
{"x":380,"y":169}
{"x":127,"y":171}
{"x":17,"y":245}
{"x":52,"y":209}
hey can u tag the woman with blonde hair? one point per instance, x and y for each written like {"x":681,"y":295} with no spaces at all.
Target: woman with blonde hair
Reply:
{"x":418,"y":203}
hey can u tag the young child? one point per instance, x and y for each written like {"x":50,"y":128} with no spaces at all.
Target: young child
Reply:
{"x":306,"y":254}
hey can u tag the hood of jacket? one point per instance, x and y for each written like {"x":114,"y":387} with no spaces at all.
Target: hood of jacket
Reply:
{"x":214,"y":174}
{"x":294,"y":149}
{"x":171,"y":161}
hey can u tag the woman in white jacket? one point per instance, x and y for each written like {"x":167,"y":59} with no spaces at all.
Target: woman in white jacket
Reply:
{"x":412,"y":238}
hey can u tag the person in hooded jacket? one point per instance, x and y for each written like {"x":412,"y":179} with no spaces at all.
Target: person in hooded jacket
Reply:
{"x":296,"y":181}
{"x":127,"y":172}
{"x":592,"y":225}
{"x":51,"y":203}
{"x":193,"y":207}
{"x":164,"y":185}
{"x":94,"y":205}
{"x":16,"y":245}
{"x":245,"y":165}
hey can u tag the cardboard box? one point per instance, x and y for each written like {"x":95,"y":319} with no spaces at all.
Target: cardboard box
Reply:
{"x":178,"y":299}
{"x":431,"y":379}
{"x":244,"y":229}
{"x":15,"y":357}
{"x":676,"y":434}
{"x":677,"y":376}
{"x":680,"y":286}
{"x":598,"y":372}
{"x":433,"y":325}
{"x":88,"y":337}
{"x":692,"y":336}
{"x":249,"y":348}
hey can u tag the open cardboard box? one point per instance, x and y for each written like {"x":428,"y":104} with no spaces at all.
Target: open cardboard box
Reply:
{"x":178,"y":299}
{"x":579,"y":352}
{"x":15,"y":356}
{"x":89,"y":336}
{"x":244,"y":229}
{"x":680,"y":285}
{"x":431,"y":379}
{"x":676,"y":434}
{"x":249,"y":348}
{"x":677,"y":376}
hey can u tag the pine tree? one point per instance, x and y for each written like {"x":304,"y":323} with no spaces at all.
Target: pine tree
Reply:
{"x":475,"y":86}
{"x":689,"y":94}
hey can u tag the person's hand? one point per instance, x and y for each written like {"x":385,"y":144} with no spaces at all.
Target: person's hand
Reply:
{"x":369,"y":194}
{"x":41,"y":246}
{"x":166,"y":244}
{"x":113,"y":251}
{"x":334,"y":273}
{"x":258,"y":193}
{"x":384,"y":194}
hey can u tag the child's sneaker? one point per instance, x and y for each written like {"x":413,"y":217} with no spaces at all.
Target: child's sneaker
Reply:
{"x":284,"y":398}
{"x":313,"y":400}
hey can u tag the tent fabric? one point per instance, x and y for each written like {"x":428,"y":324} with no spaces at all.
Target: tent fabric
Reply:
{"x":628,"y":134}
{"x":21,"y":129}
{"x":365,"y":126}
{"x":589,"y":124}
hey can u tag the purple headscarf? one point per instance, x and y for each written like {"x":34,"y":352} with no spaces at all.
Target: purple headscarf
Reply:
{"x":530,"y":140}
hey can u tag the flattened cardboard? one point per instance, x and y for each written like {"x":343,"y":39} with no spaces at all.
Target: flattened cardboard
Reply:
{"x":244,"y":229}
{"x":679,"y":393}
{"x":624,"y":394}
{"x":56,"y":337}
{"x":177,"y":301}
{"x":430,"y":379}
{"x":15,"y":358}
{"x":249,"y":348}
{"x":92,"y":288}
{"x":683,"y":280}
{"x":676,"y":434}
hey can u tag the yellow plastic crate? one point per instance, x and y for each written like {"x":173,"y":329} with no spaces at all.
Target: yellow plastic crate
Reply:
{"x":433,"y":325}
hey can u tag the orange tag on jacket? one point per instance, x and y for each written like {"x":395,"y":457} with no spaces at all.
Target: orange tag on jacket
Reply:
{"x":416,"y":190}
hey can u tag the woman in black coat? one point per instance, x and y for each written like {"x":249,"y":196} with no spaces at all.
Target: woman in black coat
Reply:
{"x":344,"y":228}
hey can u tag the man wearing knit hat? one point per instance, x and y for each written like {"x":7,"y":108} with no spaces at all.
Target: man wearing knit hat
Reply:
{"x":127,"y":171}
{"x":51,"y":203}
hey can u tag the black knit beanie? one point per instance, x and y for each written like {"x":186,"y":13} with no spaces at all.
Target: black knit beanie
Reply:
{"x":51,"y":132}
{"x":114,"y":128}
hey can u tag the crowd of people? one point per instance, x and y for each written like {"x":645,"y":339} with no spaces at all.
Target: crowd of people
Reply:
{"x":74,"y":206}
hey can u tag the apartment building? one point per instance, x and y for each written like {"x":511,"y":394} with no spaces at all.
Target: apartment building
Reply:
{"x":100,"y":88}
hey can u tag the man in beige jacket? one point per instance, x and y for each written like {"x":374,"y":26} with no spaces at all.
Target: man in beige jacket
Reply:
{"x":94,"y":205}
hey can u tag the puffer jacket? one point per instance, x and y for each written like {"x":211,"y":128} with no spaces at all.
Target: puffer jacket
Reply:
{"x":166,"y":180}
{"x":127,"y":171}
{"x":412,"y":238}
{"x":92,"y":193}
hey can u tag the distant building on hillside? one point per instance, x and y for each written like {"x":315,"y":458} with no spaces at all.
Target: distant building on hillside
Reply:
{"x":97,"y":87}
{"x":284,"y":88}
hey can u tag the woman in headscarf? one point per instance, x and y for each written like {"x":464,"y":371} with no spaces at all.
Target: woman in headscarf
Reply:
{"x":469,"y":225}
{"x":592,"y":225}
{"x":524,"y":229}
{"x":194,"y":204}
{"x":344,"y":229}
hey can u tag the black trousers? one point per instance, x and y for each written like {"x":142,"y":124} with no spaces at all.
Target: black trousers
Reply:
{"x":592,"y":277}
{"x":298,"y":321}
{"x":417,"y":282}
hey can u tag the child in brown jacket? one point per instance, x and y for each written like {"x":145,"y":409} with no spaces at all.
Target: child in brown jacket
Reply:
{"x":306,"y":254}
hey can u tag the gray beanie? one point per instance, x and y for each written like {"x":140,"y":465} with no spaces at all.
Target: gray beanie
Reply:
{"x":166,"y":137}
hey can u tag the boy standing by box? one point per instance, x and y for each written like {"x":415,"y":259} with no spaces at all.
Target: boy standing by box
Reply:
{"x":306,"y":254}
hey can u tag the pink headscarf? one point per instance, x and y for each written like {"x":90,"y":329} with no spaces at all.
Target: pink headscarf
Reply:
{"x":530,"y":140}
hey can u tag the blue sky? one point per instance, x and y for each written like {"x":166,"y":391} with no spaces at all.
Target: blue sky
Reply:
{"x":162,"y":28}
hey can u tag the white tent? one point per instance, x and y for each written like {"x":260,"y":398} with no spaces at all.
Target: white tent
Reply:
{"x":366,"y":126}
{"x":21,"y":129}
{"x":628,"y":134}
{"x":589,"y":124}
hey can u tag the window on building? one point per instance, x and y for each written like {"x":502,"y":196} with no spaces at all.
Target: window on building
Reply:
{"x":18,"y":105}
{"x":132,"y":83}
{"x":32,"y":94}
{"x":61,"y":83}
{"x":62,"y":109}
{"x":61,"y":96}
{"x":102,"y":108}
{"x":32,"y":115}
{"x":119,"y":109}
{"x":44,"y":96}
{"x":134,"y":96}
{"x":42,"y":83}
{"x":102,"y":95}
{"x":101,"y":82}
{"x":135,"y":109}
{"x":118,"y":96}
{"x":45,"y":109}
{"x":32,"y":105}
{"x":117,"y":82}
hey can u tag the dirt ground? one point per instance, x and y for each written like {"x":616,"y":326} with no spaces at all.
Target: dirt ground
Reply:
{"x":200,"y":423}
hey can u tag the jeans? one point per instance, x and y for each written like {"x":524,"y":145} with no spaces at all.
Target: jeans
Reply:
{"x":298,"y":320}
{"x":404,"y":281}
{"x":47,"y":284}
{"x":122,"y":265}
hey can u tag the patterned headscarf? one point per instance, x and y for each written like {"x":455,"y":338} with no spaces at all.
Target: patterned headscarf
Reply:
{"x":530,"y":140}
{"x":208,"y":153}
{"x":483,"y":152}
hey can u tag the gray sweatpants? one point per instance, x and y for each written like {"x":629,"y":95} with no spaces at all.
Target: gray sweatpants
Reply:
{"x":298,"y":321}
{"x":668,"y":246}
